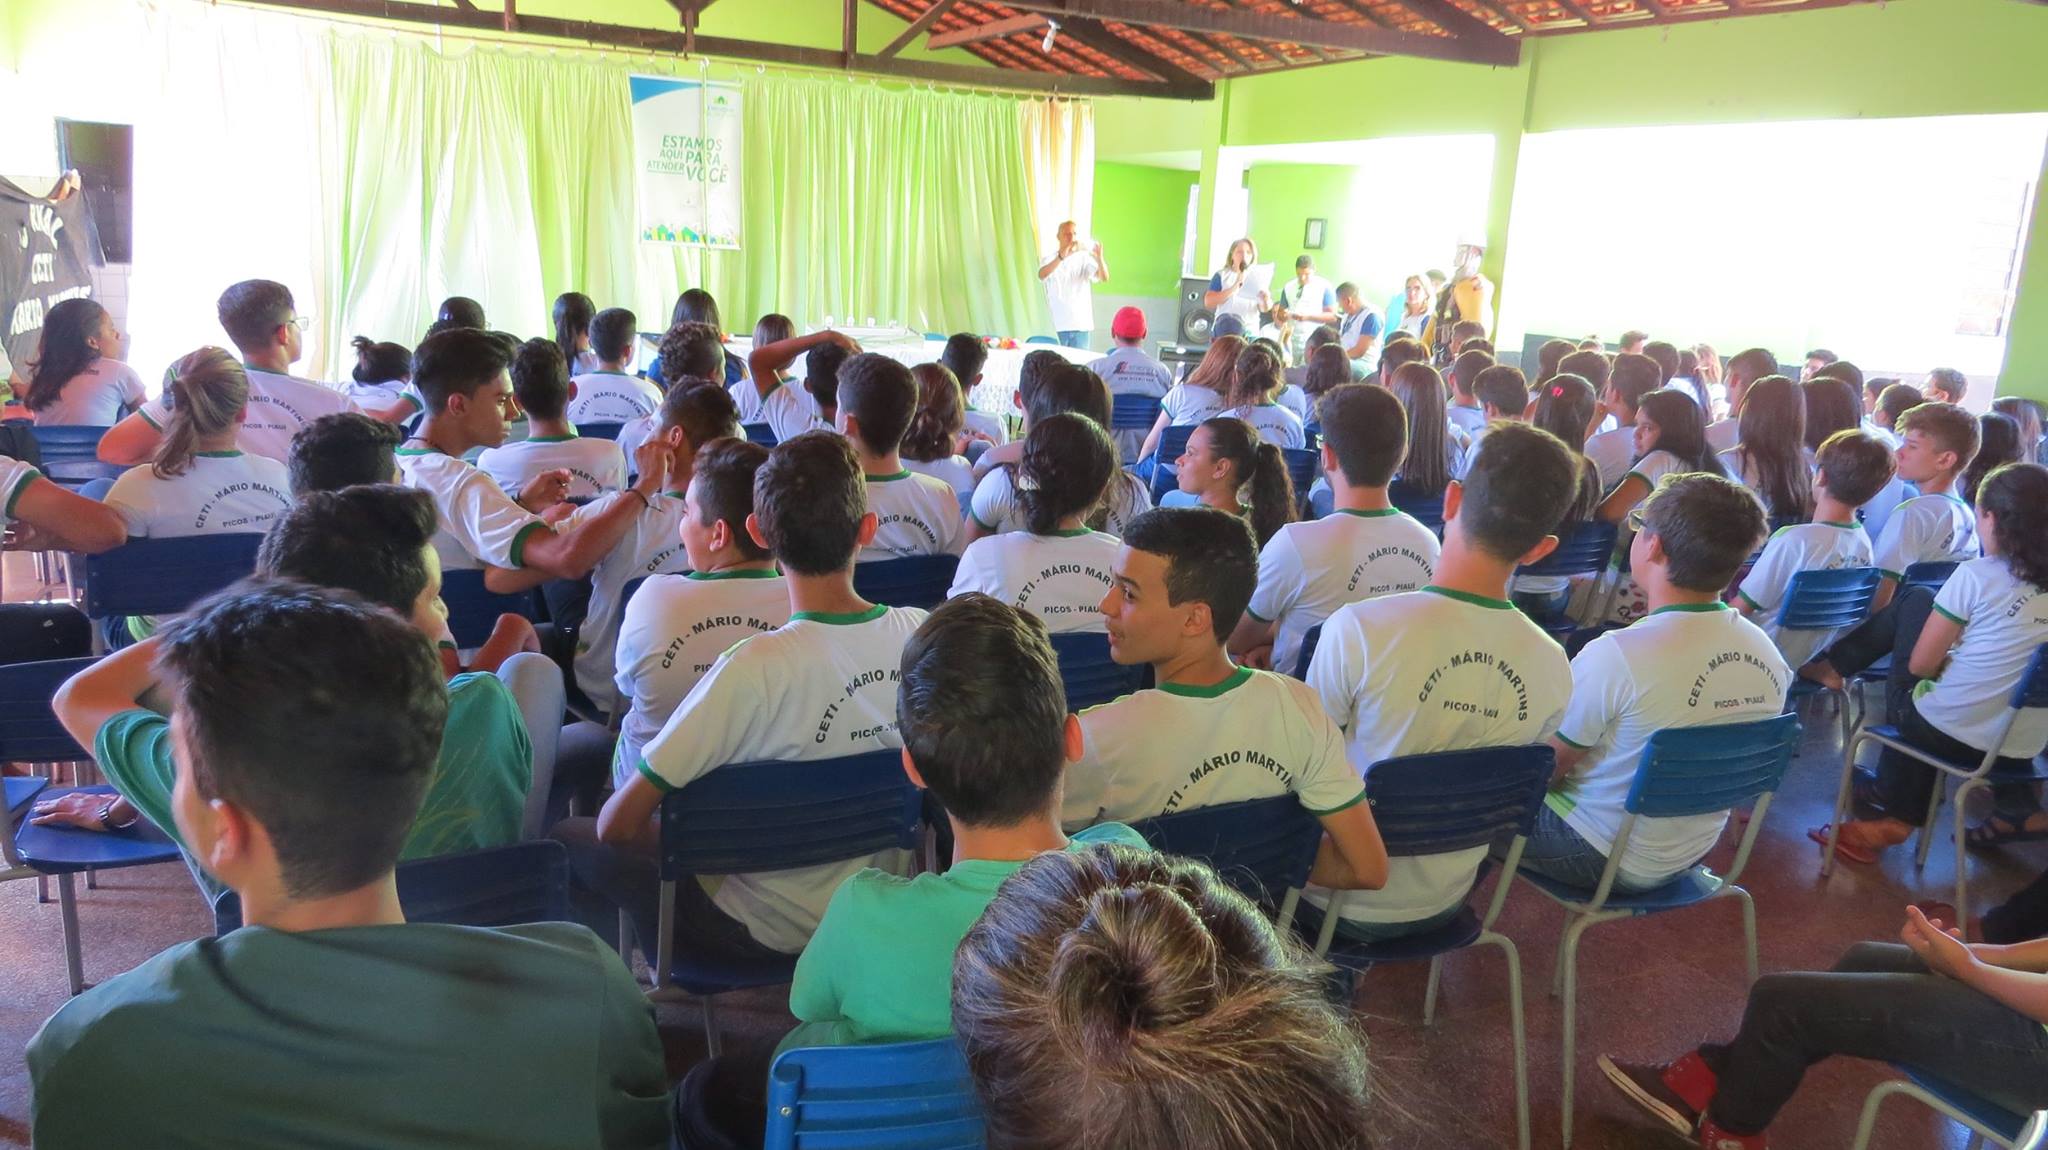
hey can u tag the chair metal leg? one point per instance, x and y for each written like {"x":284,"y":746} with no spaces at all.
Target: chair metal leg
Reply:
{"x":1842,"y":792}
{"x":1926,"y":843}
{"x":1557,"y":968}
{"x":1748,"y":930}
{"x":1868,"y":1121}
{"x":1436,"y":970}
{"x":1962,"y":922}
{"x":92,"y":878}
{"x":67,"y":911}
{"x":711,"y":1044}
{"x":1571,"y":1020}
{"x":42,"y":889}
{"x":626,"y":938}
{"x":1976,"y":1142}
{"x":1515,"y":1020}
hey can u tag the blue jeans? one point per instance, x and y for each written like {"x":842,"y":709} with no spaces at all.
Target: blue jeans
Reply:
{"x":1309,"y":920}
{"x":1073,"y":339}
{"x":1557,"y":851}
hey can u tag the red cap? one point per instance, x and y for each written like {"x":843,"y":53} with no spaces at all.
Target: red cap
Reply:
{"x":1128,"y":324}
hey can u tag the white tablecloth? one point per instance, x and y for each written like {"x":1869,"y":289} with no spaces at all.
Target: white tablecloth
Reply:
{"x":998,"y":376}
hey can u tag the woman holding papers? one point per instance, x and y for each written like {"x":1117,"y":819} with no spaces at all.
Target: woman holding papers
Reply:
{"x":1240,"y":288}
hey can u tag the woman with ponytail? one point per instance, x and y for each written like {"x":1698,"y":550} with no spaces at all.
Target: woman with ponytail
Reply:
{"x":381,"y":374}
{"x":1255,"y":382}
{"x":1117,"y":997}
{"x":1056,"y":568}
{"x":573,"y":313}
{"x":1228,"y":467}
{"x":930,"y":445}
{"x":77,"y":378}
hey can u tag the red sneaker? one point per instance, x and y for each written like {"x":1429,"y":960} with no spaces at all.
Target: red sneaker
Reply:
{"x":1712,"y":1137}
{"x":1674,"y":1095}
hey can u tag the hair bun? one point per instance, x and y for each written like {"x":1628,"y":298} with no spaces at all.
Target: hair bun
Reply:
{"x":1141,"y":960}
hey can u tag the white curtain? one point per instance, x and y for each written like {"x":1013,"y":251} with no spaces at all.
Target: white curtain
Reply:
{"x":1059,"y":153}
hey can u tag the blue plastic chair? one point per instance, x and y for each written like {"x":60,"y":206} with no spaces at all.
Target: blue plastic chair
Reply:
{"x":1091,"y":677}
{"x":1827,"y":601}
{"x":1301,"y":470}
{"x":916,"y":581}
{"x":2029,"y":693}
{"x":1429,"y":509}
{"x":1585,"y":551}
{"x":1133,"y":412}
{"x":934,"y":337}
{"x":71,"y":454}
{"x":63,"y":852}
{"x":1173,"y":443}
{"x":1983,"y":1117}
{"x":499,"y":886}
{"x":473,"y":608}
{"x":1931,"y":575}
{"x":18,"y":791}
{"x":1262,"y":847}
{"x":1309,"y":639}
{"x":1684,"y":771}
{"x":605,"y":431}
{"x":754,"y":818}
{"x":760,"y":433}
{"x":1439,"y":804}
{"x":905,"y":1095}
{"x":165,"y":576}
{"x":1041,"y":339}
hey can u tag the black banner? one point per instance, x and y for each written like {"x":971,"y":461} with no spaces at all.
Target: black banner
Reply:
{"x":47,"y":252}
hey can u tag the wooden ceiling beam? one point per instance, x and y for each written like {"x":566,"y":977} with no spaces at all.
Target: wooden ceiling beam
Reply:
{"x":917,"y":27}
{"x":1281,"y":29}
{"x":1457,"y":21}
{"x":993,"y":30}
{"x":1093,"y":34}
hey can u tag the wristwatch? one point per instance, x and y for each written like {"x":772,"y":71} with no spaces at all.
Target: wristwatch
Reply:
{"x":106,"y":812}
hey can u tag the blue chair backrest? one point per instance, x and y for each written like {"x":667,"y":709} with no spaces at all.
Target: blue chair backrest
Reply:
{"x":1301,"y":468}
{"x":71,"y":453}
{"x":1090,"y":675}
{"x":473,"y":609}
{"x":1708,"y":769}
{"x":1583,"y":552}
{"x":1133,"y":412}
{"x":1429,"y":509}
{"x":1930,"y":574}
{"x":916,"y":581}
{"x":1262,"y":847}
{"x":903,"y":1096}
{"x":1828,"y":600}
{"x":934,"y":337}
{"x":749,"y":818}
{"x":165,"y":576}
{"x":1312,"y":433}
{"x":1040,"y":339}
{"x":498,"y":886}
{"x":29,"y":731}
{"x":1173,"y":442}
{"x":759,"y":433}
{"x":1309,"y":639}
{"x":1457,"y":800}
{"x":606,"y":431}
{"x":2032,"y":689}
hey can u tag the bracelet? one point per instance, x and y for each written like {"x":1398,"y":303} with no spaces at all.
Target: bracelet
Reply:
{"x":644,"y":500}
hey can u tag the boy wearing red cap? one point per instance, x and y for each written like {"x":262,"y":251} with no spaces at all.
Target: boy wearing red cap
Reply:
{"x":1129,"y":371}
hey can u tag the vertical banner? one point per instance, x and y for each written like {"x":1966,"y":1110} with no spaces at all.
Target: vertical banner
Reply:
{"x":47,"y":251}
{"x":686,"y":155}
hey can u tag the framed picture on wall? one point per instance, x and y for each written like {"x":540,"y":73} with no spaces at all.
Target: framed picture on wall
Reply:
{"x":1312,"y":237}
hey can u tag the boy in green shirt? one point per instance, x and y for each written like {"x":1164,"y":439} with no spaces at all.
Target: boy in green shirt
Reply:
{"x":306,"y":724}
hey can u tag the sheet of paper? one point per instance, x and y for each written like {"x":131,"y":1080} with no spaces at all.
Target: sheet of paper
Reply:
{"x":1257,"y":278}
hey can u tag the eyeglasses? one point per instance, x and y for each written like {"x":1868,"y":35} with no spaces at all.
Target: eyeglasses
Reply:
{"x":1636,"y":515}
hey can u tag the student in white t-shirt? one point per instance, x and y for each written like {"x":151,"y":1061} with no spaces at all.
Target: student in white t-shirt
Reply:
{"x":460,"y":373}
{"x":1039,"y":367}
{"x":1228,"y":467}
{"x":1069,"y":274}
{"x":1253,"y":384}
{"x":1611,"y":450}
{"x":1065,"y":388}
{"x":1210,"y":732}
{"x":695,"y":414}
{"x":1056,"y":568}
{"x":1853,"y":466}
{"x":78,"y":379}
{"x":790,"y":409}
{"x":1954,"y":666}
{"x":1503,"y":395}
{"x":264,"y":324}
{"x":382,"y":377}
{"x":572,"y":314}
{"x":1453,"y":666}
{"x":1198,"y":397}
{"x":1690,"y":662}
{"x":200,"y":483}
{"x":914,"y":514}
{"x":769,"y":329}
{"x":540,"y":381}
{"x":965,"y":355}
{"x":1363,"y":549}
{"x":689,"y":353}
{"x":822,"y":686}
{"x":1466,"y":412}
{"x":931,"y":445}
{"x":1772,"y":459}
{"x":611,"y":394}
{"x":676,"y":626}
{"x":1669,"y":439}
{"x":1938,"y":441}
{"x":1742,"y":369}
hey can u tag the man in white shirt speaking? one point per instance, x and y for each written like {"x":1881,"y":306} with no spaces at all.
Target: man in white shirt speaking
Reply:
{"x":1070,"y":274}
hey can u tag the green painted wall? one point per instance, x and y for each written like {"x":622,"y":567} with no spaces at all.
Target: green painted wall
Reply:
{"x":1283,"y":199}
{"x":1140,"y":213}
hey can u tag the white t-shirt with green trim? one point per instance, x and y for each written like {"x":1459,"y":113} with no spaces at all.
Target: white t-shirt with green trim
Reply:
{"x":1685,"y":666}
{"x":15,"y":477}
{"x":1611,"y":452}
{"x":994,"y":506}
{"x":279,"y":405}
{"x":673,"y":630}
{"x":2004,"y":621}
{"x":789,"y":411}
{"x":1805,"y":547}
{"x":478,"y":524}
{"x":1434,"y":670}
{"x":1061,"y":578}
{"x":1927,"y":529}
{"x":653,"y":545}
{"x":819,"y":687}
{"x":1173,"y":748}
{"x":1274,"y":423}
{"x":747,"y":398}
{"x":915,"y":515}
{"x":595,"y":466}
{"x":222,"y":492}
{"x":1185,"y":404}
{"x":1655,"y":466}
{"x":1309,"y":569}
{"x":612,"y":397}
{"x":96,"y":396}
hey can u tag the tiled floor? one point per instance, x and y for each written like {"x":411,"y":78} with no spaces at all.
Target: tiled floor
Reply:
{"x":1648,"y":988}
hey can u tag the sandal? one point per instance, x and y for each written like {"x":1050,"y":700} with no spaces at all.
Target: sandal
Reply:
{"x":1997,"y":831}
{"x":1862,"y":840}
